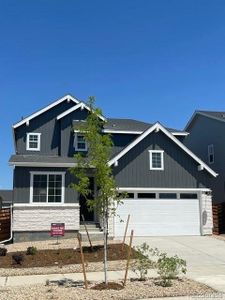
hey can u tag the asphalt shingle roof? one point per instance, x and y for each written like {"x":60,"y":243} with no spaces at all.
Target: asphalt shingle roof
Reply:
{"x":216,"y":114}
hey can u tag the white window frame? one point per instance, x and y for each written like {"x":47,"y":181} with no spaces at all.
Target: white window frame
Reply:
{"x":47,"y":173}
{"x":76,"y":143}
{"x":162,"y":159}
{"x":38,"y":141}
{"x":211,"y":152}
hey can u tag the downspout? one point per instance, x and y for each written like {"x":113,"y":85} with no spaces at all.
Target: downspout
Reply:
{"x":11,"y":231}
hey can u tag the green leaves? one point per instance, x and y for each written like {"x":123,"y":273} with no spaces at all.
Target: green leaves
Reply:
{"x":95,"y":163}
{"x":142,"y":261}
{"x":170,"y":267}
{"x":167,"y":267}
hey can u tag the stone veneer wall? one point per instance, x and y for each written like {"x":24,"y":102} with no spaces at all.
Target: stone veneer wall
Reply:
{"x":206,"y":213}
{"x":39,"y":217}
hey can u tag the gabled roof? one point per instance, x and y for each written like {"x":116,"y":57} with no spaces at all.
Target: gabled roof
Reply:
{"x":37,"y":113}
{"x":156,"y":127}
{"x":81,"y":105}
{"x":132,"y":126}
{"x":216,"y":115}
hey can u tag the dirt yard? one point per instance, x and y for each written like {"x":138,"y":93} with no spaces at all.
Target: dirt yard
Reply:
{"x":63,"y":257}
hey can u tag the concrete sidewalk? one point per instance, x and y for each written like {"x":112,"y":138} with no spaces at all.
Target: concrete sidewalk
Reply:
{"x":15,"y":281}
{"x":41,"y":279}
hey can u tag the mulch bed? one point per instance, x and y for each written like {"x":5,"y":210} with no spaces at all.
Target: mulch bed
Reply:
{"x":62,"y":257}
{"x":109,"y":286}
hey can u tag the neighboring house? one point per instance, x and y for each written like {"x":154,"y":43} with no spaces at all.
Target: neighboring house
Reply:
{"x":6,"y":197}
{"x":206,"y":139}
{"x":167,"y":185}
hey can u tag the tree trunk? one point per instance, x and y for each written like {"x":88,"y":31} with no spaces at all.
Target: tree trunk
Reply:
{"x":105,"y":233}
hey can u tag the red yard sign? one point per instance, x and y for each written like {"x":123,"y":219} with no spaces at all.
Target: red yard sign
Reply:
{"x":57,"y":229}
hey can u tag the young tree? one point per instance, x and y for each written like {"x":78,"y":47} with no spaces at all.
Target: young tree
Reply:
{"x":95,"y":161}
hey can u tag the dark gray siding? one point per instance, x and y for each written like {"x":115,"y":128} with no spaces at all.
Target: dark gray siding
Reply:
{"x":22,"y":184}
{"x":203,"y":132}
{"x":48,"y":126}
{"x":67,"y":132}
{"x":120,"y":141}
{"x":180,"y":170}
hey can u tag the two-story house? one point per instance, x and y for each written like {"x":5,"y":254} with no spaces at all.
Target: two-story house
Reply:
{"x":168,"y":186}
{"x":206,"y":140}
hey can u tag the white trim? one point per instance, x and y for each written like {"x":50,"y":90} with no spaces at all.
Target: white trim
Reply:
{"x":52,"y":204}
{"x":38,"y":141}
{"x":32,"y":173}
{"x":27,"y":119}
{"x":139,"y":132}
{"x":76,"y":143}
{"x":42,"y":164}
{"x":130,"y":189}
{"x":180,"y":133}
{"x":121,"y":131}
{"x":81,"y":105}
{"x":162,"y":159}
{"x":173,"y":138}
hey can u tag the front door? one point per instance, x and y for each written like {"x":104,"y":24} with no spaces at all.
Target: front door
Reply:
{"x":88,"y":215}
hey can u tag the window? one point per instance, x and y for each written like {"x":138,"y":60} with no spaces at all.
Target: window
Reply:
{"x":34,"y":141}
{"x":156,"y":160}
{"x":47,"y":187}
{"x":146,"y":195}
{"x":188,"y":196}
{"x":211,"y":154}
{"x":167,"y":196}
{"x":80,"y":143}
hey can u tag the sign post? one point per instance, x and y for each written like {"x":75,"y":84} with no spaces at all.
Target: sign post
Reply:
{"x":57,"y":229}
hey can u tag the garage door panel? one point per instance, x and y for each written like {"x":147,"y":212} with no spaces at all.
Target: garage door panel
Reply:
{"x":158,"y":217}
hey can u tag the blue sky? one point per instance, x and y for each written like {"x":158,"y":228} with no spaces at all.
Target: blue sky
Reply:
{"x":148,"y":60}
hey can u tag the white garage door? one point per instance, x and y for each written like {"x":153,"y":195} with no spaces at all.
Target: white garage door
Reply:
{"x":159,"y":217}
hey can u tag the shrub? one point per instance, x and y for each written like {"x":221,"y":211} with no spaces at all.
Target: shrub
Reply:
{"x":18,"y":258}
{"x":142,"y":261}
{"x":3,"y":251}
{"x":31,"y":250}
{"x":169,"y":268}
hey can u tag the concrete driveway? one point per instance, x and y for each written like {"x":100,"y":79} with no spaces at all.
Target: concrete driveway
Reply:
{"x":205,"y":256}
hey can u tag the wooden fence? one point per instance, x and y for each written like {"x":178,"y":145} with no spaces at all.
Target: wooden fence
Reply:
{"x":218,"y":218}
{"x":5,"y":223}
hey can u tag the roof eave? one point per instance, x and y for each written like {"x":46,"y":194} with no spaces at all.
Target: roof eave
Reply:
{"x":27,"y":119}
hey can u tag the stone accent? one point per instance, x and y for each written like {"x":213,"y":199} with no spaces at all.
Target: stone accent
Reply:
{"x":206,"y":213}
{"x":39,"y":217}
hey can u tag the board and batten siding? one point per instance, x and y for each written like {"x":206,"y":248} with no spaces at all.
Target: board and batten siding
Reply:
{"x":180,"y":170}
{"x":22,"y":184}
{"x":48,"y":126}
{"x":205,"y":131}
{"x":67,"y":131}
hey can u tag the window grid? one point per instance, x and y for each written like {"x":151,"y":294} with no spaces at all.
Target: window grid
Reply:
{"x":80,"y":143}
{"x":47,"y":188}
{"x":156,"y":160}
{"x":211,"y":154}
{"x":33,"y":141}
